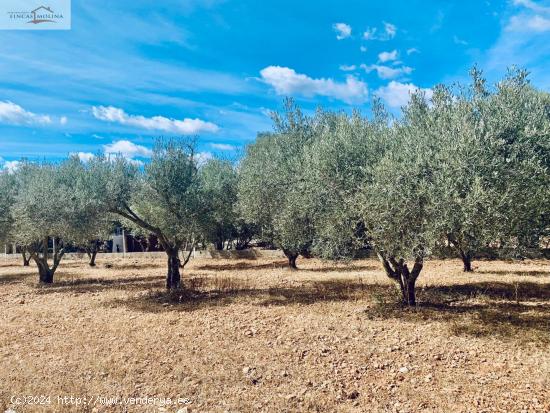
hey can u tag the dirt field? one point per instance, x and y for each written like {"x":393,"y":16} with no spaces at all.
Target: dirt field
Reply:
{"x":260,"y":337}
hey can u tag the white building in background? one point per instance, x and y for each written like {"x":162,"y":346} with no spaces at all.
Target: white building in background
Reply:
{"x":119,"y":241}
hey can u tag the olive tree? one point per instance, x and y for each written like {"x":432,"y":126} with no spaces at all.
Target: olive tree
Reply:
{"x":42,"y":211}
{"x":163,"y":198}
{"x":218,"y":182}
{"x":370,"y":182}
{"x":489,"y":158}
{"x":336,"y":164}
{"x":520,"y":130}
{"x":7,"y":194}
{"x":271,"y":185}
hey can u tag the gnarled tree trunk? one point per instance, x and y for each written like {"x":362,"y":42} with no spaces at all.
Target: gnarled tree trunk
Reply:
{"x":466,"y":260}
{"x":45,"y":273}
{"x":91,"y":251}
{"x":465,"y":255}
{"x":173,"y":278}
{"x":405,"y":278}
{"x":39,"y":253}
{"x":292,"y":256}
{"x":26,"y":258}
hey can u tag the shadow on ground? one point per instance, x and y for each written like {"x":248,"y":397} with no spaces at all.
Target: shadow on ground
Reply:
{"x":16,"y":278}
{"x":518,"y":311}
{"x":509,"y":310}
{"x":90,"y":285}
{"x":283,"y":265}
{"x":524,"y":273}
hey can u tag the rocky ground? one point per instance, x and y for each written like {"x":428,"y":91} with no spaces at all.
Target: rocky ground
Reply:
{"x":257,"y":337}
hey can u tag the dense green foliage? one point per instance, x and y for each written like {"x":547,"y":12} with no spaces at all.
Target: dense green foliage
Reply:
{"x":463,"y":171}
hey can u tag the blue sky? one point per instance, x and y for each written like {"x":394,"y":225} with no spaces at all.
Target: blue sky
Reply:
{"x":129,"y":72}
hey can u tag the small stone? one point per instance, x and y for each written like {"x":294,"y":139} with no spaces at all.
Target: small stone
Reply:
{"x":403,"y":370}
{"x":353,"y":395}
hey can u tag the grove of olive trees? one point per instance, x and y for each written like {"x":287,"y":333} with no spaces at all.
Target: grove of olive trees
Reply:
{"x":462,"y":171}
{"x":465,"y":170}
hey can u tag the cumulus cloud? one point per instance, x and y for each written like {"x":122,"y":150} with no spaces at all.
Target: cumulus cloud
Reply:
{"x":412,"y":50}
{"x":342,"y":30}
{"x":127,"y":149}
{"x":388,"y":33}
{"x":532,"y":5}
{"x":63,"y":120}
{"x":9,"y":166}
{"x":397,"y":94}
{"x":523,"y":23}
{"x":387,"y":56}
{"x":203,"y":157}
{"x":186,"y":127}
{"x":83,"y":156}
{"x":223,"y":146}
{"x":390,"y":30}
{"x":286,"y":81}
{"x":14,"y":114}
{"x":363,"y":49}
{"x":386,"y":72}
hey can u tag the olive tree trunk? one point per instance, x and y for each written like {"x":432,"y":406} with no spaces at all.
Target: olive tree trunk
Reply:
{"x":405,"y":278}
{"x":466,"y":261}
{"x":39,"y":253}
{"x":91,"y":252}
{"x":173,"y":278}
{"x":26,"y":258}
{"x":292,"y":256}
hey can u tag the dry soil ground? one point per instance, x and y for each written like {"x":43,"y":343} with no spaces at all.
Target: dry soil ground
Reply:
{"x":259,"y":337}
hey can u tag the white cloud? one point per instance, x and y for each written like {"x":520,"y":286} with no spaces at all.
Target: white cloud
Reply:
{"x":412,"y":50}
{"x":203,"y":157}
{"x":522,"y":42}
{"x":387,"y":56}
{"x":386,"y":72}
{"x":458,"y":40}
{"x":370,"y":34}
{"x":347,"y":68}
{"x":539,"y":24}
{"x":187,"y":126}
{"x":9,"y":166}
{"x":397,"y":94}
{"x":63,"y":120}
{"x":16,"y":115}
{"x":388,"y":33}
{"x":97,"y":136}
{"x":136,"y":162}
{"x":342,"y":30}
{"x":532,"y":5}
{"x":127,"y":149}
{"x":286,"y":81}
{"x":363,"y":49}
{"x":390,"y":30}
{"x":83,"y":156}
{"x":223,"y":146}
